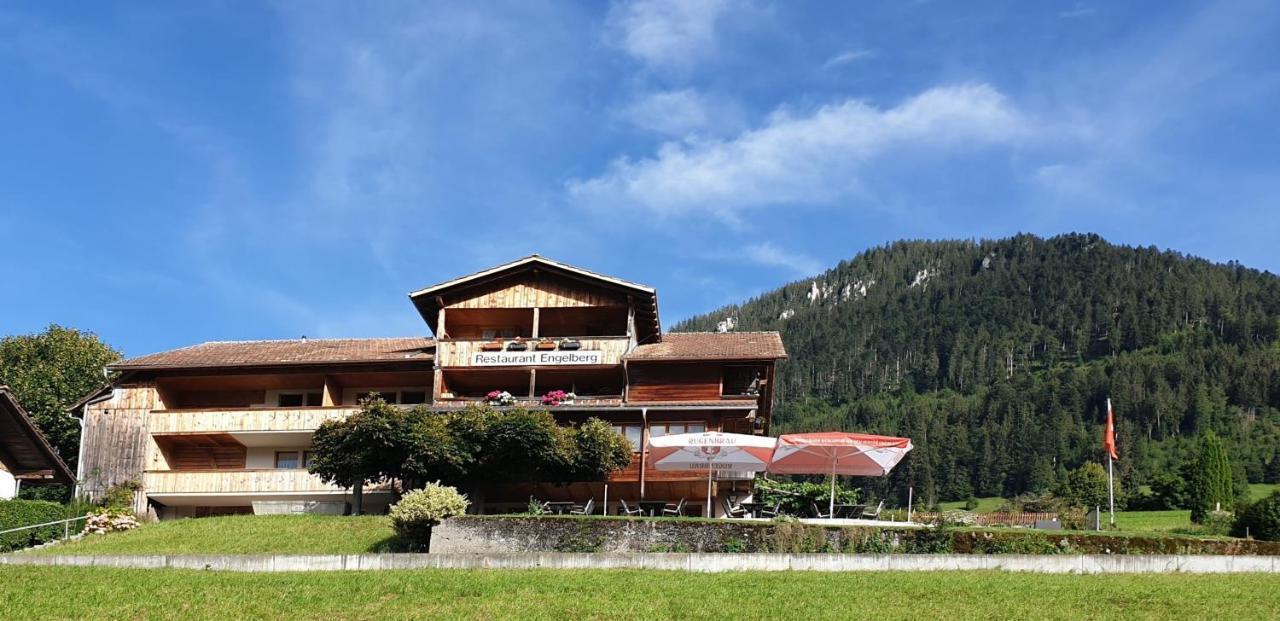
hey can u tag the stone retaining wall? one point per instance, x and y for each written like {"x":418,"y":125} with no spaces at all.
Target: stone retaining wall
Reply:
{"x":517,"y":534}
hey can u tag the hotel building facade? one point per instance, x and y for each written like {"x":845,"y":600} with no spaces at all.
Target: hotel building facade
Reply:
{"x":226,"y":427}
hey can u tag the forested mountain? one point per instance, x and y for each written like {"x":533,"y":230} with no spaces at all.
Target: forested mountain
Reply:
{"x":996,"y":358}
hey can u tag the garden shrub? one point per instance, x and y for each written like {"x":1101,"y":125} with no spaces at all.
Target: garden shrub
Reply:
{"x":53,"y":493}
{"x":421,"y":509}
{"x":120,"y":496}
{"x":798,"y":497}
{"x":1261,"y":520}
{"x":16,"y":513}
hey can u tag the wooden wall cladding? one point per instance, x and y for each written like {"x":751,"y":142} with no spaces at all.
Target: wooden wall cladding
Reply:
{"x":115,"y":439}
{"x":674,"y":382}
{"x":528,"y":290}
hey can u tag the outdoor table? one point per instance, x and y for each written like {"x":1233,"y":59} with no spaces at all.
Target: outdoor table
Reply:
{"x":851,"y":512}
{"x":559,"y":508}
{"x":753,"y":508}
{"x":652,"y":508}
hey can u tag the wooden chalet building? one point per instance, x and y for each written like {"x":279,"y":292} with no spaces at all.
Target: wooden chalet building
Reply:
{"x":225,"y":427}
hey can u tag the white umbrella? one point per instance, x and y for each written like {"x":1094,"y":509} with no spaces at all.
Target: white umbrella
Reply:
{"x":713,"y":451}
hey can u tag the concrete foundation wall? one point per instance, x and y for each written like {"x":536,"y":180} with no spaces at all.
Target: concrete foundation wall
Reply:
{"x":1057,"y":564}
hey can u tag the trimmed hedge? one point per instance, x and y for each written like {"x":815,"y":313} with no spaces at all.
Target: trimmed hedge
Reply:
{"x":15,"y":513}
{"x":596,"y":534}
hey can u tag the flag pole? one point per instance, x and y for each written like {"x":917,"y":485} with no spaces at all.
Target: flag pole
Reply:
{"x":1111,"y":491}
{"x":1111,"y":480}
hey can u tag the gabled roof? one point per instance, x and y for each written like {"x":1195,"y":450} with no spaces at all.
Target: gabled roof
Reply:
{"x":426,"y":300}
{"x":292,"y":352}
{"x":694,"y":346}
{"x":25,"y":452}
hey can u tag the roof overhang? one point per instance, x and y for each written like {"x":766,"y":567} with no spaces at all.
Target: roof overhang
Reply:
{"x":25,"y":451}
{"x":428,"y":300}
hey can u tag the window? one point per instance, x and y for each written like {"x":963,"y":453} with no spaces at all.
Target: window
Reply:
{"x":402,"y":397}
{"x":299,"y":399}
{"x":286,"y":460}
{"x":669,"y":429}
{"x":742,"y":380}
{"x":306,"y":459}
{"x":632,"y":433}
{"x":290,"y":400}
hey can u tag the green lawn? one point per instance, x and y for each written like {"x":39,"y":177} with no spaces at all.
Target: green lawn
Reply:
{"x":1258,"y":491}
{"x":1160,"y":521}
{"x":242,"y":534}
{"x":100,"y":593}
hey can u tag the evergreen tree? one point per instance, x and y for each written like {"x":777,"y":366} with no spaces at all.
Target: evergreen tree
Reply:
{"x":1272,"y":475}
{"x":1212,"y":488}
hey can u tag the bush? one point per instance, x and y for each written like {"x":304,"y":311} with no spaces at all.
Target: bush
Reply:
{"x":120,"y":496}
{"x":52,"y":493}
{"x":1032,"y":503}
{"x":1261,"y":520}
{"x":798,"y":498}
{"x":16,"y":513}
{"x":421,"y":509}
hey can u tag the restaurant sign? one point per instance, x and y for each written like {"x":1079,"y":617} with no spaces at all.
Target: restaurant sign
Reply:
{"x":531,"y":358}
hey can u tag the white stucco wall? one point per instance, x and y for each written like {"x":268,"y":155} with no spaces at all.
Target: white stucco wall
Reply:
{"x":8,"y":485}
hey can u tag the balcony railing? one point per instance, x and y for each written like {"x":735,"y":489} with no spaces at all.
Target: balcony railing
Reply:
{"x":247,"y":419}
{"x":238,"y":482}
{"x":603,"y":350}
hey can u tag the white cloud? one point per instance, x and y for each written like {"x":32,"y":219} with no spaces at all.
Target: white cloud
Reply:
{"x":665,"y":33}
{"x":769,"y":254}
{"x":669,"y":112}
{"x":684,"y":112}
{"x":814,"y":158}
{"x":846,"y":57}
{"x":1080,"y":10}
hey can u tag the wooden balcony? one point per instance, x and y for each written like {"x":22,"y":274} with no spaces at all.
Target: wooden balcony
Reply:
{"x":594,"y":351}
{"x":248,"y":419}
{"x":270,"y":481}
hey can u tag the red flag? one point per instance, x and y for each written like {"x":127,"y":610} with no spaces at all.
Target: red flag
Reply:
{"x":1109,"y":442}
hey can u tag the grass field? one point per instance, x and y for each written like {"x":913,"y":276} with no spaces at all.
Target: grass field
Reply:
{"x":1157,"y":521}
{"x":236,"y":534}
{"x":1132,"y":521}
{"x":1258,"y":491}
{"x":100,"y":593}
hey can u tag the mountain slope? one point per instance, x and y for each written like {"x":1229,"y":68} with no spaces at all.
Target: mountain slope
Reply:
{"x":996,"y":356}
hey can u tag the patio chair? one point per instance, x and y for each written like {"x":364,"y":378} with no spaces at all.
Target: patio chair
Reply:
{"x":677,"y":511}
{"x":774,"y":512}
{"x":626,"y":509}
{"x":818,"y":512}
{"x":873,"y":515}
{"x":732,"y":511}
{"x":585,"y":509}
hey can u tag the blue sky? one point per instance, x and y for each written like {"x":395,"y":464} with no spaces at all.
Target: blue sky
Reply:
{"x":183,"y":172}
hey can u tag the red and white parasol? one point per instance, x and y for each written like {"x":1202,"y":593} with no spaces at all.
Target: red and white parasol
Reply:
{"x":837,"y":452}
